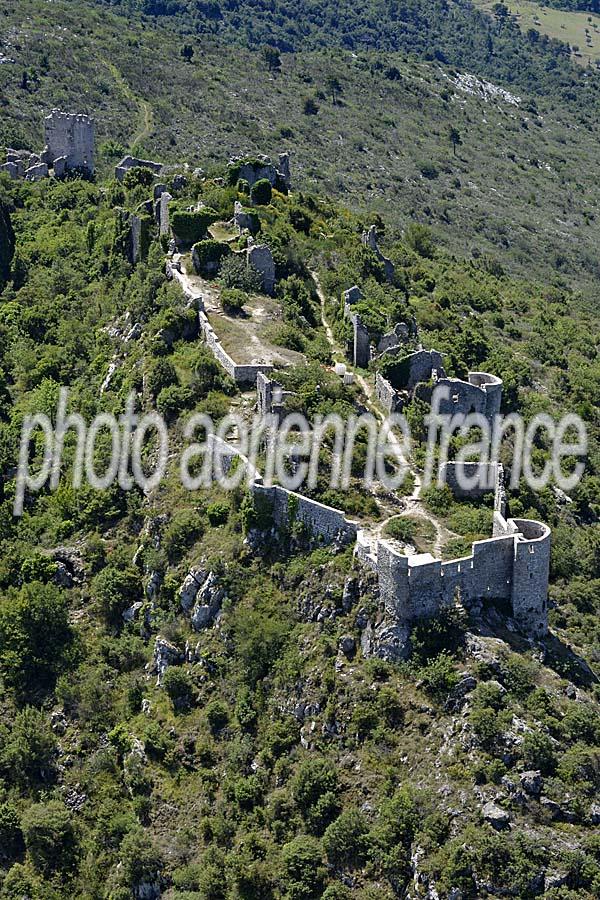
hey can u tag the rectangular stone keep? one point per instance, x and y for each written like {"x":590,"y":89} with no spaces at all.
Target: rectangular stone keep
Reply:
{"x":72,"y":136}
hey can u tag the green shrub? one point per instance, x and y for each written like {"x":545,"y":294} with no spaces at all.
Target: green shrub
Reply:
{"x":302,"y":868}
{"x":11,"y":836}
{"x":49,"y":837}
{"x":36,"y":639}
{"x":115,"y":589}
{"x":345,"y":840}
{"x":439,"y":676}
{"x":261,"y":192}
{"x":208,"y":255}
{"x":235,"y":273}
{"x":191,"y":227}
{"x":29,"y":752}
{"x":177,"y":685}
{"x":217,"y":513}
{"x":537,"y":751}
{"x":137,"y":176}
{"x":233,"y":300}
{"x":173,"y":400}
{"x":141,"y":860}
{"x":217,"y":715}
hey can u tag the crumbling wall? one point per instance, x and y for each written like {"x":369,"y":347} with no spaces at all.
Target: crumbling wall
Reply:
{"x":361,"y":343}
{"x":482,"y":478}
{"x":388,"y":397}
{"x":259,"y":256}
{"x":369,"y":239}
{"x":132,"y":162}
{"x":322,"y":521}
{"x":69,"y":141}
{"x":271,"y":397}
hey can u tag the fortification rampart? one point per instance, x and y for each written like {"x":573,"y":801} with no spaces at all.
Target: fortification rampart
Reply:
{"x":324,"y":521}
{"x":510,"y":569}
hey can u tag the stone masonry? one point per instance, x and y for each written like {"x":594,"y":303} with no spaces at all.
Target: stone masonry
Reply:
{"x":69,"y":142}
{"x":260,"y":257}
{"x":510,"y":569}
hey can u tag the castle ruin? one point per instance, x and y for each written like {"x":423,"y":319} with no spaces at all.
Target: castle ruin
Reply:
{"x":69,"y":148}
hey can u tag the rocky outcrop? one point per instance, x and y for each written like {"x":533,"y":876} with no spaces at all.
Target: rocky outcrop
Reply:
{"x":201,"y":595}
{"x":497,"y":817}
{"x":165,"y":655}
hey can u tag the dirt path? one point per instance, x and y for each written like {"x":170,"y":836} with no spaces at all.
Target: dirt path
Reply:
{"x":146,"y":115}
{"x":414,"y":506}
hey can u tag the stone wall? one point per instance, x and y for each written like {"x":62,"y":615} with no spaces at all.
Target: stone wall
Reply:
{"x":69,"y":141}
{"x":510,"y":569}
{"x":323,"y":521}
{"x":389,"y":398}
{"x":483,"y":478}
{"x":132,"y":162}
{"x":260,"y":258}
{"x":361,"y":343}
{"x":369,"y":239}
{"x":271,"y":397}
{"x":241,"y":374}
{"x":482,"y":394}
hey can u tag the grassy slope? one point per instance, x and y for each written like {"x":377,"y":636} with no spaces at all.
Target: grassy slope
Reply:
{"x":557,"y":23}
{"x":522,"y":188}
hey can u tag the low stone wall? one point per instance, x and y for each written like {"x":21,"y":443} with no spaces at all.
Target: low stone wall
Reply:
{"x":323,"y":521}
{"x":240,"y":374}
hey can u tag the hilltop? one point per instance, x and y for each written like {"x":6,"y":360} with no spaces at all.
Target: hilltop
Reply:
{"x":521,"y":186}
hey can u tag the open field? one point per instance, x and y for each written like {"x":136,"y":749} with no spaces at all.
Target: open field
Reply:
{"x":578,"y":29}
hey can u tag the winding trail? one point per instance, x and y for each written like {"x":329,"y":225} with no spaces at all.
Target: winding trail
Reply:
{"x":413,"y":503}
{"x":146,"y":114}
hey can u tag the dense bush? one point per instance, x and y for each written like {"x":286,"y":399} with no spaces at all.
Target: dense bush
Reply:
{"x":191,"y":227}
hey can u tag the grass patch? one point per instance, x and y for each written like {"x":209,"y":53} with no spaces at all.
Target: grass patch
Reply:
{"x":412,"y":530}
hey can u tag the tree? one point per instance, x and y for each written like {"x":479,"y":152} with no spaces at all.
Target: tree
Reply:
{"x":310,"y":107}
{"x":302,"y":867}
{"x":187,"y":51}
{"x":455,"y":138}
{"x":261,"y":192}
{"x":272,"y":58}
{"x":29,"y":752}
{"x":36,"y":639}
{"x":334,"y":87}
{"x":115,"y":589}
{"x":49,"y":837}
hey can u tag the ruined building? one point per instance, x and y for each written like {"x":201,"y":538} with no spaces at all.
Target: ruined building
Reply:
{"x":69,"y":147}
{"x":510,"y":570}
{"x":422,"y":372}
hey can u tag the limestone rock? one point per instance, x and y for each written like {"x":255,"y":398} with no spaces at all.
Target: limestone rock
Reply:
{"x":496,"y":816}
{"x":348,"y":645}
{"x":190,"y":587}
{"x":595,"y":813}
{"x":132,"y":612}
{"x":165,"y":655}
{"x":208,"y":603}
{"x":532,"y":783}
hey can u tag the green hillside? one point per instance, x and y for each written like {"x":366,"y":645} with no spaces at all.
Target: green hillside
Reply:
{"x":522,"y":187}
{"x":198,"y":701}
